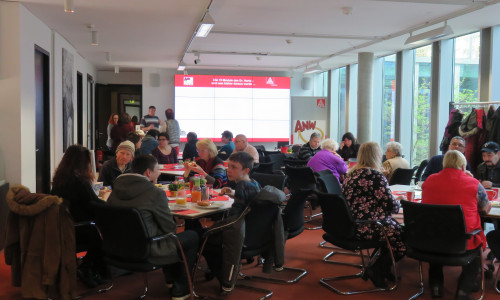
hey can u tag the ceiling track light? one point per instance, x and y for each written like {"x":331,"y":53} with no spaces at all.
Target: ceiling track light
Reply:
{"x":205,"y":26}
{"x":95,"y":42}
{"x":69,"y":6}
{"x":117,"y":69}
{"x":314,"y":69}
{"x":430,"y":35}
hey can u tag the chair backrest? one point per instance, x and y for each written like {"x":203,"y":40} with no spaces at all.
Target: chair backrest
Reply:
{"x":295,"y":162}
{"x":259,"y":223}
{"x":264,"y":167}
{"x":300,"y":179}
{"x":337,"y":218}
{"x":328,"y":183}
{"x":124,"y":233}
{"x":401,"y":176}
{"x":277,"y":158}
{"x":420,"y":170}
{"x":434,"y":228}
{"x":264,"y":179}
{"x":293,"y":214}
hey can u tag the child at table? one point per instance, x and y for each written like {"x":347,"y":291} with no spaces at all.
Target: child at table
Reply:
{"x":223,"y":250}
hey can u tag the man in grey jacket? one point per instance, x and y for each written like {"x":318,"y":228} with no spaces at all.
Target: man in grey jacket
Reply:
{"x":137,"y":190}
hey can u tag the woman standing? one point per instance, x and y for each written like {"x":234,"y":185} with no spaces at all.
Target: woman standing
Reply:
{"x":171,"y":126}
{"x":164,"y":153}
{"x":113,"y":121}
{"x":120,"y":132}
{"x":348,"y":147}
{"x":208,"y":164}
{"x":369,"y":197}
{"x":73,"y":182}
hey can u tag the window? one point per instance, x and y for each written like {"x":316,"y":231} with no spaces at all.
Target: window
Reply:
{"x":421,"y":104}
{"x":466,"y":68}
{"x":388,"y":98}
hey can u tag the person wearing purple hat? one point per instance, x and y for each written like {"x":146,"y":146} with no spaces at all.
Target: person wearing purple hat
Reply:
{"x":488,"y":172}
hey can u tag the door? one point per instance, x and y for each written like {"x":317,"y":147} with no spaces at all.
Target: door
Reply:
{"x":79,"y":107}
{"x":42,"y":118}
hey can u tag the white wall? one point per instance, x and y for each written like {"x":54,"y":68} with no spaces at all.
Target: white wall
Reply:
{"x":20,"y":31}
{"x":110,"y":77}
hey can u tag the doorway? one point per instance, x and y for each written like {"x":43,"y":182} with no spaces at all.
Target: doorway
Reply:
{"x":42,"y":119}
{"x":79,"y":107}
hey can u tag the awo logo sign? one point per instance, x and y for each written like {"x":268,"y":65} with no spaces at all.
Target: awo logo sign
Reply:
{"x":188,"y":81}
{"x":270,"y":81}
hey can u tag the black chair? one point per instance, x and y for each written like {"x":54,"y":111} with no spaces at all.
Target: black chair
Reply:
{"x":85,"y":232}
{"x":263,"y":167}
{"x":295,"y":162}
{"x":402,"y":176}
{"x":126,"y":243}
{"x":277,"y":158}
{"x":420,"y":170}
{"x":328,"y":183}
{"x":304,"y":182}
{"x":293,"y":224}
{"x":250,"y":246}
{"x":276,"y":180}
{"x":437,"y":234}
{"x":339,"y":227}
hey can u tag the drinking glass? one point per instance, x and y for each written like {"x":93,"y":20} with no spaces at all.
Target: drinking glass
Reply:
{"x":181,"y":197}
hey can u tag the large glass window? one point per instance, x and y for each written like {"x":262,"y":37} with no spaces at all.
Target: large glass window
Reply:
{"x":388,"y":98}
{"x":421,"y":104}
{"x":342,"y":95}
{"x":466,"y":68}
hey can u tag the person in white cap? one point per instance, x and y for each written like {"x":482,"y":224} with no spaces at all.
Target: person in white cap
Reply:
{"x":119,"y":164}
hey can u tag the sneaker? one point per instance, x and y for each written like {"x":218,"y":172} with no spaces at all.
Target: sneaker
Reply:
{"x":181,"y":297}
{"x":278,"y":269}
{"x":461,"y":295}
{"x":169,"y":285}
{"x":224,"y":290}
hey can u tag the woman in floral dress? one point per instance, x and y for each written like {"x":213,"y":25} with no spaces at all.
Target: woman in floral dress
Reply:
{"x":369,"y":197}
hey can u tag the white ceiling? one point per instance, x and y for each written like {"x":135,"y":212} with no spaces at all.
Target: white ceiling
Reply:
{"x":253,"y":34}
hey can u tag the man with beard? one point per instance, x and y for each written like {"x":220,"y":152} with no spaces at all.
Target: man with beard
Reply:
{"x":488,"y":172}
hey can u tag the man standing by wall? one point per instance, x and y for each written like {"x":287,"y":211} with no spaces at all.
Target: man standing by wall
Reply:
{"x":150,"y":120}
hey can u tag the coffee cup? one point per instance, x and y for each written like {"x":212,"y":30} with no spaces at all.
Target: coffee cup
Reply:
{"x":410,"y":195}
{"x":492,"y":194}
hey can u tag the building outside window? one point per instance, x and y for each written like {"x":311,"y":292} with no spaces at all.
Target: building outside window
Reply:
{"x":421,"y":104}
{"x":388,"y":98}
{"x":466,"y":68}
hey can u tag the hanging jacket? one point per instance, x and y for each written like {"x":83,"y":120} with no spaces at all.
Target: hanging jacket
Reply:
{"x":494,"y":133}
{"x":40,"y":245}
{"x":472,"y":131}
{"x":451,"y":130}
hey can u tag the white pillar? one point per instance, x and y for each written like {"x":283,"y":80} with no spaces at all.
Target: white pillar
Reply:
{"x":365,"y":96}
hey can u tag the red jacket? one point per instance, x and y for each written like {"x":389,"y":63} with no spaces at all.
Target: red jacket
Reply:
{"x":452,"y":187}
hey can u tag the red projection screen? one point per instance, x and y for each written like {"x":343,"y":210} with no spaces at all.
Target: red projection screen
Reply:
{"x":258,"y":107}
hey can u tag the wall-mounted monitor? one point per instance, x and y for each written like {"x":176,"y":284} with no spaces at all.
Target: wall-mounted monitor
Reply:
{"x":258,"y":107}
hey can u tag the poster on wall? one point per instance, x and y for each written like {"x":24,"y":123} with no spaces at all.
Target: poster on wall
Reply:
{"x":302,"y":130}
{"x":67,"y":98}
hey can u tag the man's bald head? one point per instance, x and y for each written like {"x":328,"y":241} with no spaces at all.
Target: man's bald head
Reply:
{"x":240,"y":142}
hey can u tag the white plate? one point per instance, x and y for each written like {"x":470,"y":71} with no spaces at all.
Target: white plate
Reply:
{"x":212,"y":205}
{"x":178,"y":207}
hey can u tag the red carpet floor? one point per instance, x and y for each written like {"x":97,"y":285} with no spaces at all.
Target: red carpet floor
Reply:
{"x":301,"y":252}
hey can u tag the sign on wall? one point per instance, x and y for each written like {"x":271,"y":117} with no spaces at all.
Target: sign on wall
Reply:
{"x":302,"y":130}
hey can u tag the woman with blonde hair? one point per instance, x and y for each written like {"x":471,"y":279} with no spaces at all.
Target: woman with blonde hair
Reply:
{"x":369,"y":197}
{"x":207,"y":164}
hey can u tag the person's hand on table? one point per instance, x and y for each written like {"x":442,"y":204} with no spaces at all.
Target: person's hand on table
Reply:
{"x":227,"y":191}
{"x":402,"y":197}
{"x":487,"y":184}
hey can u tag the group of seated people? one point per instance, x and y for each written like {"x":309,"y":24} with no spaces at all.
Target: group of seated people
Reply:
{"x":365,"y":188}
{"x":447,"y":181}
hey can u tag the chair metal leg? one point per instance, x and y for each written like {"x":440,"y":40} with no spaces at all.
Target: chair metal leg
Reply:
{"x":93,"y":292}
{"x":302,"y":273}
{"x":324,"y":244}
{"x":326,"y":259}
{"x":482,"y":273}
{"x":324,"y":281}
{"x":310,"y":217}
{"x":421,"y":282}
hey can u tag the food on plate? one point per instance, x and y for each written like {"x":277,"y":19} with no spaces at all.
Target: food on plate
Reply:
{"x":204,"y":203}
{"x":159,"y":185}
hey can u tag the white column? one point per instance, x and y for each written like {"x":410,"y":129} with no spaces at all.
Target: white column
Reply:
{"x":365,"y":96}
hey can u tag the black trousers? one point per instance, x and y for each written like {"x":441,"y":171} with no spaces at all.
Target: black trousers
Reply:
{"x":176,"y":273}
{"x":493,"y":238}
{"x":467,"y":279}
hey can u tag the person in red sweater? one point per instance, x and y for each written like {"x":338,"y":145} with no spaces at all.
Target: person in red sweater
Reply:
{"x":454,"y":185}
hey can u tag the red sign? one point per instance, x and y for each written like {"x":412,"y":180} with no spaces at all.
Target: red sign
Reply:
{"x":263,"y":82}
{"x":320,"y":103}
